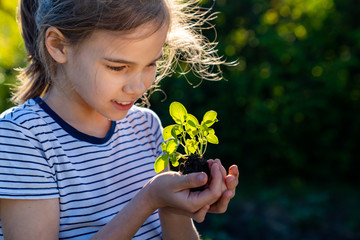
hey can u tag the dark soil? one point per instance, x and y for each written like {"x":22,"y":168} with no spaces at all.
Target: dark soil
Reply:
{"x":195,"y":164}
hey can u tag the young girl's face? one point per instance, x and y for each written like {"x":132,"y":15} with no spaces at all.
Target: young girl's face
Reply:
{"x":109,"y":71}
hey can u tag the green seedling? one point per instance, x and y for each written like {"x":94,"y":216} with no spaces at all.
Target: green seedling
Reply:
{"x":188,"y":133}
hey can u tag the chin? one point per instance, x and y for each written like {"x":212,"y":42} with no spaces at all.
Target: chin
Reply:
{"x":117,"y":117}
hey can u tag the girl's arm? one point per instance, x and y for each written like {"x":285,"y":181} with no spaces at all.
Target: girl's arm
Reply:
{"x":178,"y":224}
{"x":168,"y":190}
{"x":30,"y":219}
{"x":39,"y":219}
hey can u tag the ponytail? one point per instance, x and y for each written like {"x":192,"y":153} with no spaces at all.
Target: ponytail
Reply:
{"x":34,"y":78}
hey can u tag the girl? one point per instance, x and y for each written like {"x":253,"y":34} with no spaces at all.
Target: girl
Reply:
{"x":77,"y":156}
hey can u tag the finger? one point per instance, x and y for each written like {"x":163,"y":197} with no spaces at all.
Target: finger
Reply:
{"x":222,"y":169}
{"x":214,"y":191}
{"x":210,"y":162}
{"x":232,"y":180}
{"x":221,"y":205}
{"x":231,"y":183}
{"x":200,"y":215}
{"x":233,"y":170}
{"x":191,"y":180}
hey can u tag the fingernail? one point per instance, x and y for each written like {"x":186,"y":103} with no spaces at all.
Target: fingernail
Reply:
{"x":201,"y":177}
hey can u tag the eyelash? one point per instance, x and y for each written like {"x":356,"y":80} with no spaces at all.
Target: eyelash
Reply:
{"x":118,"y":69}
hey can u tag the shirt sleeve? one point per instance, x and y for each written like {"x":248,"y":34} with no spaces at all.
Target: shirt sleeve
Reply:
{"x":25,"y":170}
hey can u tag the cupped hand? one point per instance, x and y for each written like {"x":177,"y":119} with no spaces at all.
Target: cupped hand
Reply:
{"x":172,"y":190}
{"x":230,"y":181}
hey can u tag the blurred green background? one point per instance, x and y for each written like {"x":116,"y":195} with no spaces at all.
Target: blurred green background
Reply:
{"x":289,"y":114}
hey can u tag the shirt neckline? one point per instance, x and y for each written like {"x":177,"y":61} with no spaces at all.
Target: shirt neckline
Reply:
{"x":73,"y":131}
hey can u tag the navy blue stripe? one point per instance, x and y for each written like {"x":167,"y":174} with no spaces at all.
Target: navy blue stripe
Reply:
{"x":100,"y":218}
{"x":15,"y":146}
{"x":152,"y":237}
{"x":102,"y":210}
{"x":23,"y":182}
{"x":97,"y":173}
{"x":27,"y":188}
{"x":21,"y":115}
{"x":100,"y":180}
{"x":37,"y":117}
{"x":73,"y":131}
{"x":150,"y":230}
{"x":150,"y":222}
{"x":115,"y":153}
{"x":32,"y":147}
{"x":27,"y":195}
{"x":109,"y":215}
{"x":36,"y":156}
{"x":26,"y":135}
{"x":28,"y":169}
{"x":22,"y":175}
{"x":99,"y":196}
{"x":105,"y":145}
{"x":96,"y":189}
{"x":83,"y":234}
{"x":116,"y":146}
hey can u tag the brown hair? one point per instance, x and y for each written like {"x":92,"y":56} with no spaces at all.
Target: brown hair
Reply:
{"x":77,"y":19}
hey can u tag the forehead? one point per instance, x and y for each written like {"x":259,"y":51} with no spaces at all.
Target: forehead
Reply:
{"x":145,"y":40}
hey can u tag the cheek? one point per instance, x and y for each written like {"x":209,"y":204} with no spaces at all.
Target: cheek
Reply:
{"x":150,"y":78}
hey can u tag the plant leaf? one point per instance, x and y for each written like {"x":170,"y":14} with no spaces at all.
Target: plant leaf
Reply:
{"x":212,"y":138}
{"x":167,"y":132}
{"x":176,"y":131}
{"x":209,"y":131}
{"x":178,"y":112}
{"x":209,"y":118}
{"x":161,"y":162}
{"x":193,"y":119}
{"x":163,"y":147}
{"x":191,"y":128}
{"x":174,"y":159}
{"x":171,"y":146}
{"x":191,"y":145}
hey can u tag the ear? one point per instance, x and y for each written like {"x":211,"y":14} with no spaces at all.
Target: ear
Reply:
{"x":55,"y":43}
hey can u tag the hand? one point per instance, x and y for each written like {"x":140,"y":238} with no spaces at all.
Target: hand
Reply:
{"x":231,"y":181}
{"x":171,"y":190}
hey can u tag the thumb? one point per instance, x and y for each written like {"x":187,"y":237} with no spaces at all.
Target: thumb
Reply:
{"x":192,"y":180}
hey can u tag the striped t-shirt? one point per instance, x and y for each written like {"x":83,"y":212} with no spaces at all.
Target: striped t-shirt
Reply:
{"x":42,"y":157}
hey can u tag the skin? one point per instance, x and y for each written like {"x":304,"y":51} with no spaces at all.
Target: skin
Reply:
{"x":109,"y":67}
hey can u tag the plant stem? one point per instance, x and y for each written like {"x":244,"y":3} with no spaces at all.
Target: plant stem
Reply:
{"x":183,"y":134}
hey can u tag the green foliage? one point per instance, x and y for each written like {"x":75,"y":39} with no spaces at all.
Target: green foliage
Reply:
{"x":187,"y":132}
{"x":291,"y":107}
{"x":12,"y":53}
{"x":11,"y":46}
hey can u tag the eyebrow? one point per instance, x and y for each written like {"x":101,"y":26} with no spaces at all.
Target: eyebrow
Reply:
{"x":123,"y":61}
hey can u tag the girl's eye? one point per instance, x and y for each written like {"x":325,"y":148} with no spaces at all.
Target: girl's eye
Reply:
{"x":154,"y":64}
{"x":116,"y":69}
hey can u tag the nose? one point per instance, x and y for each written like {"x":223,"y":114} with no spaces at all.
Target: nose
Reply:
{"x":135,"y":85}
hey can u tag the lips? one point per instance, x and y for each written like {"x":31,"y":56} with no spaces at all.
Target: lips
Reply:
{"x":122,"y":105}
